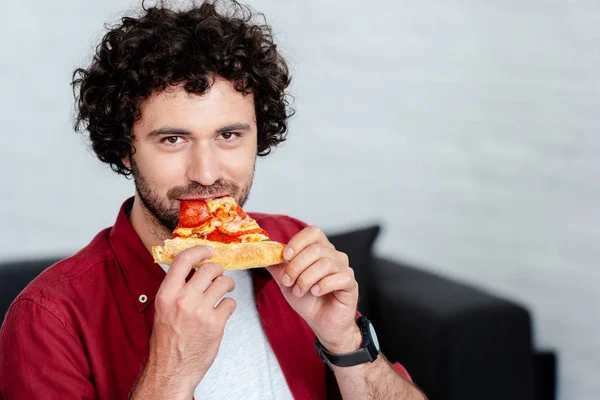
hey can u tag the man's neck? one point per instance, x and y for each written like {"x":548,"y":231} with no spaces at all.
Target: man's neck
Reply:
{"x":148,"y":229}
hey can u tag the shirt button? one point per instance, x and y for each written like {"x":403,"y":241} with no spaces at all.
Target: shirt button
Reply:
{"x":143,"y":298}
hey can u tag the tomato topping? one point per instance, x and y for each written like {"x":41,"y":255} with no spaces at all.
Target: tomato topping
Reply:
{"x":241,"y":212}
{"x":220,"y":235}
{"x":193,"y":213}
{"x":221,"y":214}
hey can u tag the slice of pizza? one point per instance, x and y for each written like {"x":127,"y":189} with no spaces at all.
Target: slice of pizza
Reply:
{"x":237,"y":239}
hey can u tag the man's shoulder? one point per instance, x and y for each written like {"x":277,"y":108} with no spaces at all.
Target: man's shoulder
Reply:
{"x":72,"y":276}
{"x":281,"y":228}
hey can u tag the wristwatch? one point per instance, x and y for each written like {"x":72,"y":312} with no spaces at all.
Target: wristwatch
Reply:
{"x":367,"y":353}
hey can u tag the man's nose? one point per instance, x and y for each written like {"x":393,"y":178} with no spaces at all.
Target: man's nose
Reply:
{"x":203,"y":166}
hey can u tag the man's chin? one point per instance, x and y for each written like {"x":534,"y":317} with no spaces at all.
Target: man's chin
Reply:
{"x":169,"y":223}
{"x":166,"y":220}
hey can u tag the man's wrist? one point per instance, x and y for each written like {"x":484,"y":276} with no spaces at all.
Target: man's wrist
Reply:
{"x":349,"y":342}
{"x":155,"y":384}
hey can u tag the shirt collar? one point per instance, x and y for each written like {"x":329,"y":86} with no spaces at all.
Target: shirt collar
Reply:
{"x":142,"y":274}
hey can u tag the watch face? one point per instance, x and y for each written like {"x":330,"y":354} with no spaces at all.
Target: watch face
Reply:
{"x":374,"y":336}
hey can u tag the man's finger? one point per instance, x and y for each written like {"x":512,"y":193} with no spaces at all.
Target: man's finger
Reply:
{"x":307,"y":257}
{"x":218,"y":288}
{"x":306,"y":237}
{"x":342,"y":283}
{"x":225,"y":308}
{"x":203,"y":277}
{"x":319,"y":270}
{"x":183,"y":264}
{"x":277,"y":271}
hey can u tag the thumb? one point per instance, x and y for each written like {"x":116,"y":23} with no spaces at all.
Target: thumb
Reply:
{"x":277,"y":271}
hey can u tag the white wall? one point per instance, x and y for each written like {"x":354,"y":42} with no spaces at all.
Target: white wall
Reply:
{"x":476,"y":121}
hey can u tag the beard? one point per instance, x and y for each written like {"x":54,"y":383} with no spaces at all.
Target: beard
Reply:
{"x":164,"y":212}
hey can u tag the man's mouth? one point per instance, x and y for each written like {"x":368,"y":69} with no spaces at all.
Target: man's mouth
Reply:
{"x":204,"y":197}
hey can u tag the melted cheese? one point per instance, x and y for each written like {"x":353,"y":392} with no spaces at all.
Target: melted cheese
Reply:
{"x":205,"y":229}
{"x":183,"y":232}
{"x":226,"y":203}
{"x":238,"y":224}
{"x":253,"y":238}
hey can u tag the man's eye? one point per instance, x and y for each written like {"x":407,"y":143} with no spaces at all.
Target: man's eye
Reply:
{"x":171,"y":139}
{"x":229,"y":136}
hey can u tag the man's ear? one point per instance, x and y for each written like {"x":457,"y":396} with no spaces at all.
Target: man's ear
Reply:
{"x":126,"y":161}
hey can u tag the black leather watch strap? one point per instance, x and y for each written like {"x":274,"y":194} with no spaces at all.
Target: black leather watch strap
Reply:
{"x":367,"y":353}
{"x":357,"y":357}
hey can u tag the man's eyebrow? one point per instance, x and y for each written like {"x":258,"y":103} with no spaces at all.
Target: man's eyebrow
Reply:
{"x":172,"y":131}
{"x":234,"y":127}
{"x":169,"y":131}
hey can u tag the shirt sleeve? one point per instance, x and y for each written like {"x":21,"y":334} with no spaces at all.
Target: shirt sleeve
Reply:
{"x":404,"y":373}
{"x":40,"y":358}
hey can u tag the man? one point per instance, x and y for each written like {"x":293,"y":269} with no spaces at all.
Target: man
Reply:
{"x":185,"y":101}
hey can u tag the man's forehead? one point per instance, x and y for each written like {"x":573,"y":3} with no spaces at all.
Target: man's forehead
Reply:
{"x":220,"y":105}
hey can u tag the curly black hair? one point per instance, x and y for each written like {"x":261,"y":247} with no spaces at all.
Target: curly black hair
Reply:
{"x":164,"y":47}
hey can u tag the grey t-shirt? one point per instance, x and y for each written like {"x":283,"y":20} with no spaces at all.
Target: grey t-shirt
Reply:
{"x":245,"y":366}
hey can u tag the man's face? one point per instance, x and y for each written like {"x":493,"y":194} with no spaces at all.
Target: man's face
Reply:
{"x":193,"y":147}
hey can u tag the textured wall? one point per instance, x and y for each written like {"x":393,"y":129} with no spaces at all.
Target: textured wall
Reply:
{"x":475,"y":121}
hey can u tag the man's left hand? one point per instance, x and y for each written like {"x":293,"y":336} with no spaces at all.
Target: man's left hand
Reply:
{"x":319,"y":284}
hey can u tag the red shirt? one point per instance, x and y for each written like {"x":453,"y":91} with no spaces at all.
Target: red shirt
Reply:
{"x":80,"y":330}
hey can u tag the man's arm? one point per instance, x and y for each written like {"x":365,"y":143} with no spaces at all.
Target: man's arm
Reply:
{"x":188,"y":327}
{"x":376,"y":380}
{"x":39,"y":358}
{"x":319,"y":284}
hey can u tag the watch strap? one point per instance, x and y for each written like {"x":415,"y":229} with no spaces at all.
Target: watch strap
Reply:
{"x":357,"y":357}
{"x":368,"y":352}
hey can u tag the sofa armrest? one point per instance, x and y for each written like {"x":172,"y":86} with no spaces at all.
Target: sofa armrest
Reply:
{"x":457,"y":342}
{"x":15,"y":276}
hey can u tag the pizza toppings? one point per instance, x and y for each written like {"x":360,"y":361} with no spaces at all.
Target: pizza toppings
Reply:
{"x":223,"y":236}
{"x":236,"y":238}
{"x":193,"y":213}
{"x":218,"y":220}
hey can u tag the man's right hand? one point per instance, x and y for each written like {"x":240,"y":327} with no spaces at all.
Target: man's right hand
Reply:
{"x":188,"y":328}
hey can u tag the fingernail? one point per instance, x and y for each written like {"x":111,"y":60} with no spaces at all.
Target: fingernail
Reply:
{"x":210,"y":249}
{"x":286,"y":280}
{"x":297,"y":291}
{"x":288,"y":253}
{"x":315,"y":290}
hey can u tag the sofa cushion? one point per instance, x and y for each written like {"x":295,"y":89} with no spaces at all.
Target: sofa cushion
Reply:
{"x":458,"y":341}
{"x":15,"y":275}
{"x":358,"y":245}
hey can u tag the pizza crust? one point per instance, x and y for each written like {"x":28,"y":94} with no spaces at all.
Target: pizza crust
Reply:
{"x":230,"y":256}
